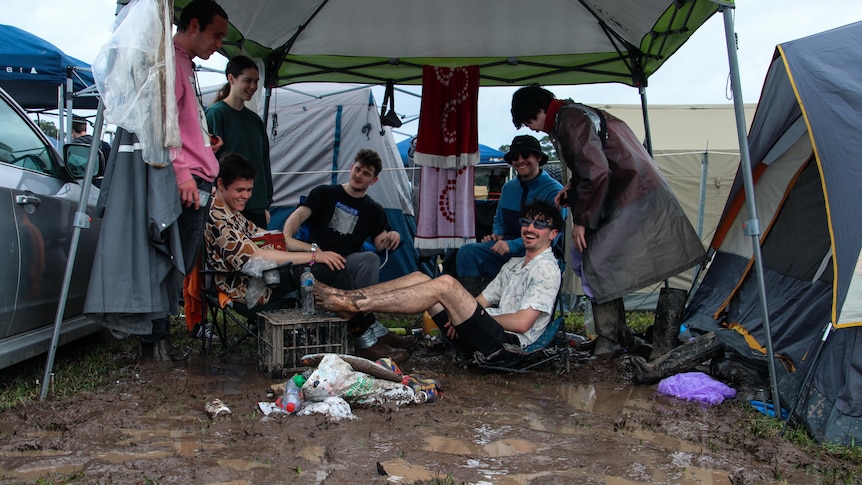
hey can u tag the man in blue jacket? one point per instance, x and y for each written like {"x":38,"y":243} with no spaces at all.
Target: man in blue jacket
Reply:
{"x":479,"y":262}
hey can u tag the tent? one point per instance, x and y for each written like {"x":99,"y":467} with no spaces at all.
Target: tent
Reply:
{"x":621,"y":41}
{"x":33,"y":70}
{"x":805,"y":142}
{"x":319,"y":131}
{"x":487,"y":156}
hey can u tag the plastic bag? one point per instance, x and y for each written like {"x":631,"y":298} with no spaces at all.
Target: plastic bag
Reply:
{"x":696,"y":386}
{"x":255,"y":267}
{"x":335,"y":377}
{"x":134,"y":73}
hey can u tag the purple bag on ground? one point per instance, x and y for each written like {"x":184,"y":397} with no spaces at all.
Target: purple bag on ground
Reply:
{"x":696,"y":386}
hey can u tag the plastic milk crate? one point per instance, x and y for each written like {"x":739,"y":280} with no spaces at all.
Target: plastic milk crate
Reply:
{"x":287,"y":336}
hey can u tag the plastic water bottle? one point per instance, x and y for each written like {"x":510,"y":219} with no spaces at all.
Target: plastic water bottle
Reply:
{"x":589,"y":321}
{"x":291,"y":401}
{"x":306,"y":283}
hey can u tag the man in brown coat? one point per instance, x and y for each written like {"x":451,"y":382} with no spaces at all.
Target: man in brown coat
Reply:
{"x":628,"y":230}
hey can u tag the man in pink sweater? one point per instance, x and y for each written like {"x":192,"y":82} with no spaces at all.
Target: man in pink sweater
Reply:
{"x":200,"y":30}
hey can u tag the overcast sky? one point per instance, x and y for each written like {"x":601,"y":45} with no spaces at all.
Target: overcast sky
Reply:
{"x":696,"y":74}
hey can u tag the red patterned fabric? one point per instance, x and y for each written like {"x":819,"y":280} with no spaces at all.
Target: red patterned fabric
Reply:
{"x":447,"y":148}
{"x":448,"y":120}
{"x":446,"y":210}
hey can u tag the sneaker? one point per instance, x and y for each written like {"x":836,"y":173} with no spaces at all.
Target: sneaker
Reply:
{"x":398,"y":341}
{"x":381,"y":350}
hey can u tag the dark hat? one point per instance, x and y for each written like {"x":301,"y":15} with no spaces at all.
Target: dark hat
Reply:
{"x":528,"y":143}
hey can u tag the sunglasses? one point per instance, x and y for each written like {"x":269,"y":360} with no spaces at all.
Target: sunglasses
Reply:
{"x":522,"y":154}
{"x":525,"y":222}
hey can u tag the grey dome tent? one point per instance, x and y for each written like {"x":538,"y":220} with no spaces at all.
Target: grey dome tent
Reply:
{"x":805,"y":143}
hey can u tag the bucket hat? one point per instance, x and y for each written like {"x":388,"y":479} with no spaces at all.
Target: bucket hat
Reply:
{"x":523,"y":143}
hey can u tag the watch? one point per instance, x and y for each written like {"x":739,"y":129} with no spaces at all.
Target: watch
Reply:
{"x":313,"y":250}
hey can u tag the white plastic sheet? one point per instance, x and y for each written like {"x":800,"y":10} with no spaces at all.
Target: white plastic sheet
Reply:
{"x":134,"y":72}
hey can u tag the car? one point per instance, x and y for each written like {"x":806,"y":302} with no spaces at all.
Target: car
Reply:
{"x":39,"y":197}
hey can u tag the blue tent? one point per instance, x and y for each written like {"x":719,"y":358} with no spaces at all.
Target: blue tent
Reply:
{"x":487,"y":155}
{"x":32,"y":70}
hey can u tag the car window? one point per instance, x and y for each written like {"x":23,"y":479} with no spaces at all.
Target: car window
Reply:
{"x":20,"y":145}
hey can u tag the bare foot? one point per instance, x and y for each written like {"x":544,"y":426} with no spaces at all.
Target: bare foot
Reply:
{"x":342,"y":302}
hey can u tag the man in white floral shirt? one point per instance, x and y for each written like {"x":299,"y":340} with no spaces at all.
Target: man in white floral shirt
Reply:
{"x":514,"y":308}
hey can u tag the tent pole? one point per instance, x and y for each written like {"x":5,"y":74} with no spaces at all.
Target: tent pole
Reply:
{"x":751,"y":227}
{"x":647,"y":132}
{"x":267,"y":96}
{"x":70,"y":86}
{"x":807,"y":380}
{"x":82,"y":221}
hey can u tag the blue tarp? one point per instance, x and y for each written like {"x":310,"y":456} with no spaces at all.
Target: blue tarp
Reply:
{"x":487,"y":155}
{"x":31,"y":69}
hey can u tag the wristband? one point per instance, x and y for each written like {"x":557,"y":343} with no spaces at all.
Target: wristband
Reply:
{"x":313,"y":250}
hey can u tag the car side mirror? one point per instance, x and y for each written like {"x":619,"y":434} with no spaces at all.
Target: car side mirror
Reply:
{"x":76,"y":156}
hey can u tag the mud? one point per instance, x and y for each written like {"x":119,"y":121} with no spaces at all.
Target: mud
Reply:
{"x":590,"y":425}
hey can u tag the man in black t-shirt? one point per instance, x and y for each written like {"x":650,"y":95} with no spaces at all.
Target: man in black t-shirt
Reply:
{"x":340,"y":219}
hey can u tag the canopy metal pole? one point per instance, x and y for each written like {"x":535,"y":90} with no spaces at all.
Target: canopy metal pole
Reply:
{"x":82,"y":221}
{"x":750,"y":227}
{"x":647,"y":131}
{"x":807,"y":380}
{"x":267,"y":96}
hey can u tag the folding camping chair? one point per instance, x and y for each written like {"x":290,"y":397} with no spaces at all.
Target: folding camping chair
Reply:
{"x":218,"y":311}
{"x":551,"y":345}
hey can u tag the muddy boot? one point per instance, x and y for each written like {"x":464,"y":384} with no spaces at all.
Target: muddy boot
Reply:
{"x":473,"y":284}
{"x":668,"y":317}
{"x":610,"y":320}
{"x":681,"y":359}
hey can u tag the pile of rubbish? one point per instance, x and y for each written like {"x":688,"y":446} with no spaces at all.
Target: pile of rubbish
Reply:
{"x":341,"y":381}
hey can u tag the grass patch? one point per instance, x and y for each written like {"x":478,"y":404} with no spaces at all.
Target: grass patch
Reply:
{"x":87,"y":364}
{"x":638,"y":322}
{"x":832,"y":470}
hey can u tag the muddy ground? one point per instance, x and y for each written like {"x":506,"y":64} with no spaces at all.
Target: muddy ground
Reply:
{"x":590,"y":425}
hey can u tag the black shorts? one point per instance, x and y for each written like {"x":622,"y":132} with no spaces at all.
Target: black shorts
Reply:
{"x":480,"y":333}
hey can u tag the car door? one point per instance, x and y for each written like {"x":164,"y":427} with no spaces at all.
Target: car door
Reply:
{"x":39,"y":202}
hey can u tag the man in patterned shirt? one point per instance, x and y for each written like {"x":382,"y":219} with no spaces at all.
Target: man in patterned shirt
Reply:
{"x":514,"y":308}
{"x":230,"y":248}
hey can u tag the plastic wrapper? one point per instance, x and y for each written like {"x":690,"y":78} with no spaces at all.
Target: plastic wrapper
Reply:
{"x":332,"y":407}
{"x":696,"y":386}
{"x":335,"y":377}
{"x":255,"y":267}
{"x":134,"y":72}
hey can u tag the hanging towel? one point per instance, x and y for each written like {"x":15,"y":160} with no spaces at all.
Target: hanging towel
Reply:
{"x":447,"y":148}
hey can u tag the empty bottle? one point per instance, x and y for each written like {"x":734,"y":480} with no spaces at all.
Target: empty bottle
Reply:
{"x":589,"y":321}
{"x":306,"y":283}
{"x":291,"y":401}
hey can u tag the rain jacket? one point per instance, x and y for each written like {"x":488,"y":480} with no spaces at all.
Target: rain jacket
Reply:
{"x":637,"y":233}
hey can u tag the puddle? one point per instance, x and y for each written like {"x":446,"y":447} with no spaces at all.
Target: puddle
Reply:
{"x":124,"y":457}
{"x":402,"y":472}
{"x":33,"y":453}
{"x":494,"y":449}
{"x":33,"y":472}
{"x":666,"y":441}
{"x":314,"y":453}
{"x":181,"y":442}
{"x":241,"y":465}
{"x":223,"y":388}
{"x":605,"y":400}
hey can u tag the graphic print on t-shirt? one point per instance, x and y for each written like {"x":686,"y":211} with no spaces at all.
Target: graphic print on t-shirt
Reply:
{"x":344,"y":218}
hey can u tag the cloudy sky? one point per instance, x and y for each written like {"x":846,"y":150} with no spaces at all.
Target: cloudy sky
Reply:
{"x":696,"y":74}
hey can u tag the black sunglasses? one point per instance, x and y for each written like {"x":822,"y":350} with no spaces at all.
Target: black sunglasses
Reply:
{"x":525,"y":154}
{"x":524,"y":221}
